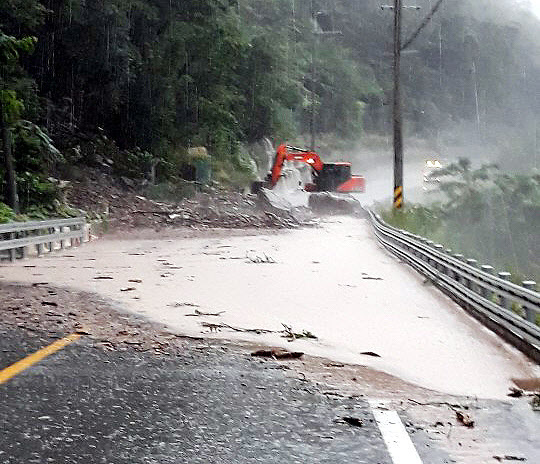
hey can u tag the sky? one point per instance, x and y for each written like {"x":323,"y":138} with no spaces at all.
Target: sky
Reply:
{"x":535,"y":4}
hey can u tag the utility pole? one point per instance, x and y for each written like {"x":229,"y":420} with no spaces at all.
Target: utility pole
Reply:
{"x":396,"y":105}
{"x":396,"y":110}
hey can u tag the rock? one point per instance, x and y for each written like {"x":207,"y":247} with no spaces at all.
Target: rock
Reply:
{"x":355,"y":421}
{"x":278,"y":353}
{"x":327,"y":202}
{"x":515,"y":392}
{"x":465,"y":419}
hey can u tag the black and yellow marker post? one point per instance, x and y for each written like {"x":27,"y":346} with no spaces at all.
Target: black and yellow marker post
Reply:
{"x":398,"y":197}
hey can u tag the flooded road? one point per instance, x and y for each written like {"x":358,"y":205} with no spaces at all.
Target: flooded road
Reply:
{"x":334,"y":281}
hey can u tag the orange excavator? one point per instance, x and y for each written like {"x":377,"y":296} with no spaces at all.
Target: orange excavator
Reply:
{"x":328,"y":177}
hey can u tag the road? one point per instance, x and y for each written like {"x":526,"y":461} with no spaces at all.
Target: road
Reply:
{"x":333,"y":281}
{"x":86,"y":405}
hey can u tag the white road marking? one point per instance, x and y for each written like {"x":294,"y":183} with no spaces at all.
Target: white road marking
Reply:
{"x":398,"y":442}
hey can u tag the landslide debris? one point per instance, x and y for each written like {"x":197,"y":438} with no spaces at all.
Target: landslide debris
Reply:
{"x":123,"y":206}
{"x":57,"y":312}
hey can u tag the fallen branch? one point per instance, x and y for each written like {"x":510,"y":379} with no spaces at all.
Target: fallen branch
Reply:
{"x":176,"y":305}
{"x":215,"y":327}
{"x":371,"y":353}
{"x":288,"y":333}
{"x":259,"y":260}
{"x":508,"y":457}
{"x":202,"y":313}
{"x":452,"y":406}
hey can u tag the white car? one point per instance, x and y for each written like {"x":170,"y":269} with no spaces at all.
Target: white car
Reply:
{"x":429,"y":174}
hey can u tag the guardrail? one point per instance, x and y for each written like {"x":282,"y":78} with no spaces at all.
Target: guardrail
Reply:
{"x":17,"y":237}
{"x":507,"y":309}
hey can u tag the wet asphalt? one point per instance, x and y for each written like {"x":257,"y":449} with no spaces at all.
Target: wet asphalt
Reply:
{"x":87,"y":405}
{"x":210,"y":404}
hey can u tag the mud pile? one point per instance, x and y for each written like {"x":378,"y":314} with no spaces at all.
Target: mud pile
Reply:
{"x":122,"y":205}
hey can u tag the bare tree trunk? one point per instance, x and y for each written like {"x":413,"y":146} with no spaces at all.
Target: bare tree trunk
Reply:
{"x":12,"y":197}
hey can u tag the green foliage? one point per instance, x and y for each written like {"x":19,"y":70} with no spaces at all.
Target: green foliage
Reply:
{"x":463,"y":188}
{"x":11,"y":47}
{"x":134,"y":163}
{"x":34,"y":148}
{"x":418,"y":219}
{"x":55,"y":209}
{"x":11,"y":104}
{"x":35,"y":190}
{"x":10,"y":73}
{"x":486,"y":215}
{"x":239,"y":175}
{"x":6,"y":213}
{"x":140,"y":81}
{"x":25,"y":16}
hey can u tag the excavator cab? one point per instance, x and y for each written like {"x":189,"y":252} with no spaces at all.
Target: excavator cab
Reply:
{"x":332,"y":176}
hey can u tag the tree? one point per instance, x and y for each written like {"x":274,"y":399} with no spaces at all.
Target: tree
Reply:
{"x":464,"y":187}
{"x":10,"y":104}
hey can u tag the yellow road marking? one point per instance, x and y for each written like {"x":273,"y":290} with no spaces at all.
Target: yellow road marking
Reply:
{"x":25,"y":363}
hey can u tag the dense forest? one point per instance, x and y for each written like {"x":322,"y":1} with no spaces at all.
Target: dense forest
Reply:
{"x":138,"y":82}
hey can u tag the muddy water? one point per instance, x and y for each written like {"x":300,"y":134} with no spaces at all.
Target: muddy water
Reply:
{"x":333,"y":281}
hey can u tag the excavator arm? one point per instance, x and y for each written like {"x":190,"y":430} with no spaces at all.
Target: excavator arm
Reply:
{"x":288,"y":153}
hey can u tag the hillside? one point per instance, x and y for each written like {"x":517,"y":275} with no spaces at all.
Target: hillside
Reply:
{"x":141,"y":81}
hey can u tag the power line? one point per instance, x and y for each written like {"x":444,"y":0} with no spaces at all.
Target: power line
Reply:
{"x":424,"y":23}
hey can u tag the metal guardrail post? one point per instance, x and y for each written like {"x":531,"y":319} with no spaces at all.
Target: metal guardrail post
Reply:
{"x":12,"y":252}
{"x":485,"y":292}
{"x":470,"y":283}
{"x":439,"y":248}
{"x":530,"y":313}
{"x":72,"y":241}
{"x":51,"y":231}
{"x":455,"y":275}
{"x":22,"y":250}
{"x":502,"y":300}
